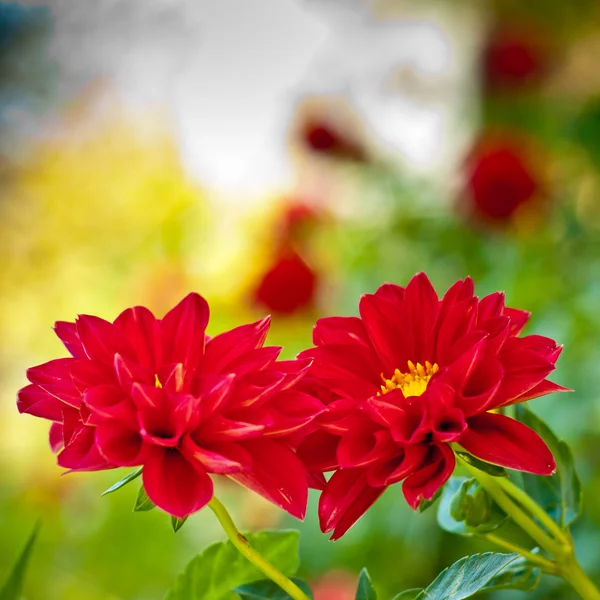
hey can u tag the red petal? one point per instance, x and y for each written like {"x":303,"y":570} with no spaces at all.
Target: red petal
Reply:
{"x":55,"y":437}
{"x":221,"y":429}
{"x":120,"y":445}
{"x":518,"y":319}
{"x":81,"y":453}
{"x":380,"y":318}
{"x":542,"y":389}
{"x":292,"y":410}
{"x":142,"y":330}
{"x":365,"y":445}
{"x":55,"y":377}
{"x":503,"y":441}
{"x":254,"y":360}
{"x":437,"y":468}
{"x":340,"y":330}
{"x":67,"y":333}
{"x":422,"y":305}
{"x":346,"y":498}
{"x":277,"y":475}
{"x":110,"y":402}
{"x":183,"y":331}
{"x":35,"y":401}
{"x":174,"y":484}
{"x":102,"y":340}
{"x":318,"y":451}
{"x":227,"y":347}
{"x":401,"y":466}
{"x":221,"y":457}
{"x":128,"y":371}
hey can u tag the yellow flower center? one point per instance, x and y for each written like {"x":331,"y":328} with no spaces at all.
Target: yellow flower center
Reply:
{"x":413,"y":383}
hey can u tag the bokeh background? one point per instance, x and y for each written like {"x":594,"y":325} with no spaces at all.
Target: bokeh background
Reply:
{"x":284,"y":157}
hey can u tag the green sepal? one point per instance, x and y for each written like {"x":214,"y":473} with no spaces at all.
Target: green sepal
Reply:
{"x":142,"y":502}
{"x":127,"y":479}
{"x":177,"y":524}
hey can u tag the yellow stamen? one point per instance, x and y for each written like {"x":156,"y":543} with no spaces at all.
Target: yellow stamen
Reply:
{"x":157,"y":382}
{"x":413,"y":383}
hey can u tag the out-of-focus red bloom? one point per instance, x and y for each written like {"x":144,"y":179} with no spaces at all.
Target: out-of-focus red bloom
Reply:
{"x":514,"y":58}
{"x":412,"y":375}
{"x":501,"y":178}
{"x":288,"y":286}
{"x":162,"y":394}
{"x":324,"y":137}
{"x":335,"y":585}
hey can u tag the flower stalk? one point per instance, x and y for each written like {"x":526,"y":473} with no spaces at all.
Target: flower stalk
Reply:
{"x":243,"y":546}
{"x":522,"y":509}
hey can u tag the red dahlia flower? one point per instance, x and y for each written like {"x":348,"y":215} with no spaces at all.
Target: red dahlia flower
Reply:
{"x":288,"y":286}
{"x":514,"y":58}
{"x":501,"y":178}
{"x":162,"y":394}
{"x":412,"y":375}
{"x":323,"y":137}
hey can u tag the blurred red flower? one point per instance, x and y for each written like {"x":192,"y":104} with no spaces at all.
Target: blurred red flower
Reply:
{"x":412,"y":375}
{"x":162,"y":394}
{"x":514,"y":57}
{"x":501,"y":178}
{"x":322,"y":136}
{"x":288,"y":286}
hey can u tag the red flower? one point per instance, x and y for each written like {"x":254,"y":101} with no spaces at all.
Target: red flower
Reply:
{"x":514,"y":58}
{"x":162,"y":394}
{"x":288,"y":286}
{"x":323,"y":137}
{"x":501,"y":178}
{"x":412,"y":375}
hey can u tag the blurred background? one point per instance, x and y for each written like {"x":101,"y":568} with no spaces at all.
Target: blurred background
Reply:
{"x":284,"y":157}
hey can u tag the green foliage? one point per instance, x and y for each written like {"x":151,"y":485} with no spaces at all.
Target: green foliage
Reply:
{"x":142,"y":502}
{"x":11,"y":590}
{"x":560,"y":494}
{"x":466,"y":576}
{"x":466,"y":508}
{"x":265,"y":589}
{"x":220,"y":568}
{"x":128,"y":478}
{"x":519,"y":575}
{"x":365,"y":590}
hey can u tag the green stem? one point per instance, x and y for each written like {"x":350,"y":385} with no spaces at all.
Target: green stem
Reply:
{"x":540,"y":561}
{"x":523,"y":520}
{"x":560,"y":547}
{"x":580,"y":582}
{"x":528,"y":503}
{"x":243,"y":546}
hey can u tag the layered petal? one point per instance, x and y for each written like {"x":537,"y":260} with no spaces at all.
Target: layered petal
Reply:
{"x":500,"y":440}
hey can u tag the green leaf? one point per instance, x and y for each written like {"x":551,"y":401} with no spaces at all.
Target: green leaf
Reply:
{"x":365,"y":590}
{"x":129,"y":477}
{"x":490,"y":469}
{"x":176,"y":523}
{"x":220,"y":568}
{"x":411,"y":594}
{"x":143,"y":503}
{"x":518,"y":575}
{"x":265,"y":589}
{"x":11,"y":590}
{"x":559,"y":494}
{"x":467,"y":576}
